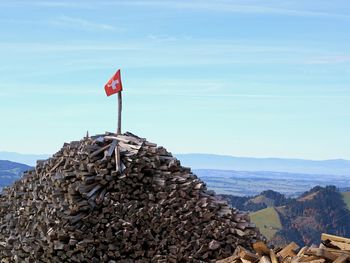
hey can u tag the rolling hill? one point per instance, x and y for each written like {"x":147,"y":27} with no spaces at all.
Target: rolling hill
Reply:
{"x":268,"y":221}
{"x":28,"y":159}
{"x":302,"y":219}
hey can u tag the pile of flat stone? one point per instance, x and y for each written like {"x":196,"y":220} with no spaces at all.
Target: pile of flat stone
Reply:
{"x":117,"y":198}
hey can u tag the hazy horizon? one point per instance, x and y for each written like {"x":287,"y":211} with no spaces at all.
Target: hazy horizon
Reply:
{"x":197,"y":153}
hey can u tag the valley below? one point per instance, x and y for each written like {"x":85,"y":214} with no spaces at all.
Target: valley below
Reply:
{"x":245,"y":183}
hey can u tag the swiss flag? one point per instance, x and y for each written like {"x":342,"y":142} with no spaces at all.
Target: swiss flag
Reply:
{"x":114,"y":85}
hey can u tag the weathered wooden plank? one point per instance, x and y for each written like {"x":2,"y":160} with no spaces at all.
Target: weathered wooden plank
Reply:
{"x":111,"y":148}
{"x":264,"y":259}
{"x":118,"y":167}
{"x":230,"y":259}
{"x":97,"y":152}
{"x":273,"y":256}
{"x":342,"y":258}
{"x":302,"y":251}
{"x":325,"y":236}
{"x":245,"y":254}
{"x":288,"y":251}
{"x":320,"y":252}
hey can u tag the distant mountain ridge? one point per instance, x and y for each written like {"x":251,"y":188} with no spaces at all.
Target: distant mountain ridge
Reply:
{"x":226,"y":162}
{"x":28,"y":159}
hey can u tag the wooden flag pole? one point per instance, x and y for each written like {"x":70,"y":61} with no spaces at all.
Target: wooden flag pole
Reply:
{"x":119,"y":129}
{"x":119,"y":112}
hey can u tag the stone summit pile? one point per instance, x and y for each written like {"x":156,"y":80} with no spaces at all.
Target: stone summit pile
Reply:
{"x":75,"y":207}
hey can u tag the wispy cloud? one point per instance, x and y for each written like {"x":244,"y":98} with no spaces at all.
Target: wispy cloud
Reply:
{"x":221,"y":88}
{"x":167,"y":87}
{"x":242,"y":7}
{"x":56,"y":4}
{"x":153,"y":43}
{"x":333,"y":59}
{"x":68,"y":47}
{"x":210,"y":92}
{"x":228,"y":6}
{"x":6,"y":90}
{"x":162,"y":38}
{"x":151,"y":53}
{"x":80,"y":23}
{"x":48,"y":4}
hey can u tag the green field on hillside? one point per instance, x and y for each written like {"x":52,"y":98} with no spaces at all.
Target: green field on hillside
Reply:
{"x":346,"y":197}
{"x":267,"y":220}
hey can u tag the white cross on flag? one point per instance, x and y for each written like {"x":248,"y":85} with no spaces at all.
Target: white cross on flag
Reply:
{"x":114,"y":85}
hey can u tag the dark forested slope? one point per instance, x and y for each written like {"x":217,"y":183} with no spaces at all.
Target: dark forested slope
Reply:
{"x":303,"y":219}
{"x":11,"y":171}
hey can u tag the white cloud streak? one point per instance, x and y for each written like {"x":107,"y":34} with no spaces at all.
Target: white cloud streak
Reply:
{"x":241,"y":7}
{"x":149,"y":53}
{"x":238,"y":6}
{"x":334,"y":59}
{"x":80,"y":23}
{"x":210,"y":90}
{"x":29,"y":47}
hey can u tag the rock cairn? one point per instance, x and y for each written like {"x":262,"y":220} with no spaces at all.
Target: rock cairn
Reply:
{"x":86,"y":205}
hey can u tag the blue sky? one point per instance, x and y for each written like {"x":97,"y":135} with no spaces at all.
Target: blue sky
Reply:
{"x":246,"y":78}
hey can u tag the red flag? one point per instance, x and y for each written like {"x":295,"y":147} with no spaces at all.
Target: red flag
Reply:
{"x":114,"y":85}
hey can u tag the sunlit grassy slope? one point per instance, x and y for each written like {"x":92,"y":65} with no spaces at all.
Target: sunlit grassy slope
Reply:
{"x":267,"y":220}
{"x":346,"y":196}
